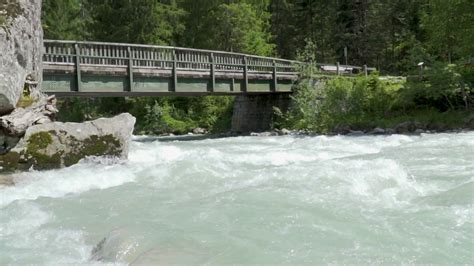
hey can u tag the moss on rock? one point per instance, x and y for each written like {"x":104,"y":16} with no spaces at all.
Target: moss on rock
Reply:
{"x":56,"y":145}
{"x":9,"y":161}
{"x":36,"y":153}
{"x":92,"y":146}
{"x":40,"y":140}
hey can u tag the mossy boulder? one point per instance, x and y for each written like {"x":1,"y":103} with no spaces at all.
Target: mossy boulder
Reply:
{"x":56,"y":145}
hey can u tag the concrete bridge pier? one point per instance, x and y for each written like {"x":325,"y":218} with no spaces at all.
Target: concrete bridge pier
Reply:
{"x":254,"y":113}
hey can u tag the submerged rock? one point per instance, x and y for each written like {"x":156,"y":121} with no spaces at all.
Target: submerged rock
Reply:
{"x":264,"y":134}
{"x":6,"y":181}
{"x":356,"y":133}
{"x":122,"y":246}
{"x":56,"y":145}
{"x":21,"y":44}
{"x":173,"y":254}
{"x":117,"y":246}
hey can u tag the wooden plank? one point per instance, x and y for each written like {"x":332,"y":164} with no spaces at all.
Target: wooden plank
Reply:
{"x":275,"y":80}
{"x":78,"y":67}
{"x":175,"y":72}
{"x":246,"y":75}
{"x":130,"y":69}
{"x":213,"y":73}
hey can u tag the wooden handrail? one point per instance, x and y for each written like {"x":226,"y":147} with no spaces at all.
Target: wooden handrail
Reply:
{"x":169,"y":57}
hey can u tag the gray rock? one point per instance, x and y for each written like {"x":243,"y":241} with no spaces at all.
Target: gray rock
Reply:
{"x":377,"y":131}
{"x":21,"y":46}
{"x":263,"y":134}
{"x":407,"y":127}
{"x":419,"y":131}
{"x":40,"y":112}
{"x":356,"y":133}
{"x":56,"y":145}
{"x":285,"y":131}
{"x":390,"y":131}
{"x":199,"y":130}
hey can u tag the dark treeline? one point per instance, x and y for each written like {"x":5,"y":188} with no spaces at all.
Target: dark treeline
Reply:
{"x":390,"y":35}
{"x":393,"y":36}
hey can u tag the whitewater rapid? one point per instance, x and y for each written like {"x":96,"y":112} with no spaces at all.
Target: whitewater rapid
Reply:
{"x":252,"y":200}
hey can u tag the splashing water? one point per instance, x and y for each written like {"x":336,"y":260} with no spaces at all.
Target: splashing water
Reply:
{"x":252,"y":200}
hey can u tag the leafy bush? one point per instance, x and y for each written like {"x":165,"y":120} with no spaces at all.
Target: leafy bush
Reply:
{"x":444,"y":87}
{"x":176,"y":115}
{"x":163,"y":118}
{"x":327,"y":104}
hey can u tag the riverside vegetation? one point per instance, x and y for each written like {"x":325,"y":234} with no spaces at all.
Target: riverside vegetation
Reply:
{"x":440,"y":102}
{"x":393,"y":36}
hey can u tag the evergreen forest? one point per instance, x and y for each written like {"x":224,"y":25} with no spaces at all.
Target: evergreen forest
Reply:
{"x":392,"y":36}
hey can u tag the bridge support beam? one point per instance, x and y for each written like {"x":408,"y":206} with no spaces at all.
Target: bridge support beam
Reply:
{"x":254,"y":113}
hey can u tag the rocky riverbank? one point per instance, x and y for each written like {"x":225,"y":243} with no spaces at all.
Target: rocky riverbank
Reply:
{"x":56,"y":145}
{"x":29,"y":136}
{"x":407,"y":128}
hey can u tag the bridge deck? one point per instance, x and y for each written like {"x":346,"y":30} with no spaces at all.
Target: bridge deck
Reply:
{"x":112,"y":69}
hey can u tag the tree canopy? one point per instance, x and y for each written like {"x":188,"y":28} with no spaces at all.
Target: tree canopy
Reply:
{"x":390,"y":35}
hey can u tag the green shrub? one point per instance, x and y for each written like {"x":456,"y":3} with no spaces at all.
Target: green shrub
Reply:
{"x":444,"y":87}
{"x":340,"y":101}
{"x":176,"y":115}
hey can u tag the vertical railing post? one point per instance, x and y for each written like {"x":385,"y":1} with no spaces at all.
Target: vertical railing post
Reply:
{"x":175,"y":73}
{"x":246,"y":75}
{"x":130,"y":69}
{"x":275,"y":81}
{"x":338,"y":68}
{"x":364,"y":68}
{"x":213,"y":72}
{"x":78,"y":67}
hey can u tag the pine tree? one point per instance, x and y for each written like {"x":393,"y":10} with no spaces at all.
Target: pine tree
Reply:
{"x":65,"y":20}
{"x":138,"y":21}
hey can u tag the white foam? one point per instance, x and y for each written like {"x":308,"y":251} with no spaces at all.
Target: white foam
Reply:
{"x":334,"y":189}
{"x":58,"y":183}
{"x":24,"y":219}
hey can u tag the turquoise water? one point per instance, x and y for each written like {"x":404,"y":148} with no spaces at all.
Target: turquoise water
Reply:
{"x":251,"y":200}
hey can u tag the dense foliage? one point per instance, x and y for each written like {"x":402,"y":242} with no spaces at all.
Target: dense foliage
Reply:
{"x":393,"y":36}
{"x":442,"y":100}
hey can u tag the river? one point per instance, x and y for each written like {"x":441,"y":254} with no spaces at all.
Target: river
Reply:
{"x":251,"y":200}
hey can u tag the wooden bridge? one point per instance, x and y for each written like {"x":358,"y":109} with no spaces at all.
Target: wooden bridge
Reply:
{"x":98,"y":69}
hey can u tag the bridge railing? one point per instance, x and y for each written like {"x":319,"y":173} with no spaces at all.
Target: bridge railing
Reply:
{"x":164,"y":57}
{"x":167,"y":57}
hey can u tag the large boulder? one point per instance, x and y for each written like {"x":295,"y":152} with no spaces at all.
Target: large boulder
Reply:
{"x":21,"y":45}
{"x":55,"y":145}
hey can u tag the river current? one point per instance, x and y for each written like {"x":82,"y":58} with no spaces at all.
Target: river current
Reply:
{"x":251,"y":200}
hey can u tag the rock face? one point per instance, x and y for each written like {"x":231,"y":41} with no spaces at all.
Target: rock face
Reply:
{"x":21,"y":44}
{"x":55,"y":145}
